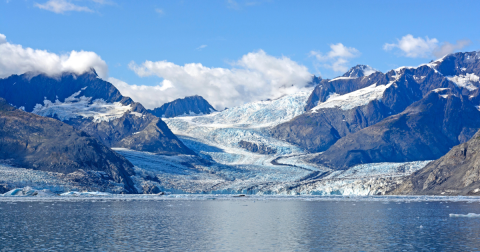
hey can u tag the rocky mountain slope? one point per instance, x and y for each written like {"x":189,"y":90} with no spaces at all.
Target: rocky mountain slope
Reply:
{"x":31,"y":141}
{"x":456,"y":173}
{"x":347,"y":104}
{"x":356,"y":103}
{"x":426,"y":130}
{"x":191,"y":105}
{"x":94,"y":106}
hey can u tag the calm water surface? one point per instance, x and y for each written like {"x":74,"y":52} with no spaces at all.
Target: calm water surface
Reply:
{"x":238,"y":225}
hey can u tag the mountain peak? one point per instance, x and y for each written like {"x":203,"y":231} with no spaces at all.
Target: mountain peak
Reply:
{"x":359,"y":71}
{"x":190,"y":105}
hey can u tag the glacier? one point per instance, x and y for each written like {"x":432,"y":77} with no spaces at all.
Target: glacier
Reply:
{"x":224,"y":167}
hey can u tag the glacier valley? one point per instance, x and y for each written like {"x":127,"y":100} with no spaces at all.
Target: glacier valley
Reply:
{"x":226,"y":162}
{"x":224,"y":166}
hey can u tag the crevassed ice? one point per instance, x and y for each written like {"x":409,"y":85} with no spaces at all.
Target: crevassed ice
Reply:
{"x":258,"y":114}
{"x":74,"y":107}
{"x":218,"y":135}
{"x":466,"y":81}
{"x":354,"y":99}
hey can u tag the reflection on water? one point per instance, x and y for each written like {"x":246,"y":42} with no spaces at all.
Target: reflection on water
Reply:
{"x":244,"y":225}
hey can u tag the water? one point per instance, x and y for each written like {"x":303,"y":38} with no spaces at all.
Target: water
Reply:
{"x":237,"y":225}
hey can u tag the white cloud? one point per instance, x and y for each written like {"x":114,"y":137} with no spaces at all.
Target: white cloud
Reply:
{"x":3,"y":39}
{"x":414,"y":47}
{"x":201,"y":47}
{"x":62,"y":6}
{"x":337,"y":58}
{"x":18,"y":60}
{"x":256,"y":76}
{"x":447,"y":48}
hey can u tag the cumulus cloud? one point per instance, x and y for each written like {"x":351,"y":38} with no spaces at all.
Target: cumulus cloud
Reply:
{"x":62,"y":6}
{"x":256,"y":76}
{"x":18,"y":60}
{"x":413,"y":47}
{"x":447,"y":48}
{"x":337,"y":58}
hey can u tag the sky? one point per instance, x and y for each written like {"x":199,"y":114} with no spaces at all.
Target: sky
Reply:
{"x":229,"y":51}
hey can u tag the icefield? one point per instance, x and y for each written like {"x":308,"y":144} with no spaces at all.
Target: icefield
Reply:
{"x":224,"y":167}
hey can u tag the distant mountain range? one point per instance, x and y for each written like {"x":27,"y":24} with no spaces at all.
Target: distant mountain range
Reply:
{"x":94,"y":106}
{"x":67,"y":125}
{"x":346,"y":105}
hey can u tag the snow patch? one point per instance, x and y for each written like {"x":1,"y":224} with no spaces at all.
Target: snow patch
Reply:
{"x":437,"y":90}
{"x":74,"y":107}
{"x":137,"y":114}
{"x":354,"y":99}
{"x":465,"y":81}
{"x":342,"y":78}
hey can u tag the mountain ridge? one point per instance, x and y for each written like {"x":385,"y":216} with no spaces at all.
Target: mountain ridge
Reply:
{"x":190,"y":105}
{"x":92,"y":105}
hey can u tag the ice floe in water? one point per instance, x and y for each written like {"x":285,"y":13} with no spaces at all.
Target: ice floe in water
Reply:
{"x":469,"y":215}
{"x":92,"y":197}
{"x":76,"y":194}
{"x":28,"y":191}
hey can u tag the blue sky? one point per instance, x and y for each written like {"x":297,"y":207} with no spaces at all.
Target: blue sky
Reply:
{"x":219,"y":33}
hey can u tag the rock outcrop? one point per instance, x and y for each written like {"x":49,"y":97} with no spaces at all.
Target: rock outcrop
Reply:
{"x":191,"y":105}
{"x":456,"y":173}
{"x":257,"y":148}
{"x":40,"y":143}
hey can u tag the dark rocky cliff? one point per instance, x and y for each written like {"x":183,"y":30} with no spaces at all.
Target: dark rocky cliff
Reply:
{"x":426,"y":130}
{"x":320,"y":128}
{"x":456,"y":173}
{"x":31,"y":141}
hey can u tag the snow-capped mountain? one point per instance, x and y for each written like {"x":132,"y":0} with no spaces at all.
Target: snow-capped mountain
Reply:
{"x":191,"y":105}
{"x":426,"y":130}
{"x":359,"y":71}
{"x":345,"y":106}
{"x":361,"y":133}
{"x":92,"y":105}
